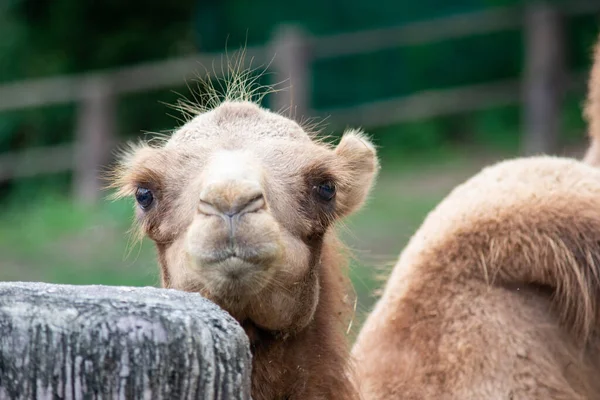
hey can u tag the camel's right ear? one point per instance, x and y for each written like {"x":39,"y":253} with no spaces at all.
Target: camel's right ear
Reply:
{"x":359,"y":164}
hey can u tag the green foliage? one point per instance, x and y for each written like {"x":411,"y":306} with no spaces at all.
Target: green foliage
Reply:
{"x":14,"y":36}
{"x":581,"y":35}
{"x":409,"y":137}
{"x":404,"y":71}
{"x":498,"y":128}
{"x":573,"y":125}
{"x":53,"y":37}
{"x":49,"y":37}
{"x":48,"y":238}
{"x":253,"y":22}
{"x":65,"y":36}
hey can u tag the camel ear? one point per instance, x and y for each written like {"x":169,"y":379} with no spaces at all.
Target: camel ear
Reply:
{"x":358,"y":158}
{"x":132,"y":165}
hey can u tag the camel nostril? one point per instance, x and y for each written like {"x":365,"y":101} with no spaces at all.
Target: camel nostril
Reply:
{"x":245,"y":205}
{"x":231,"y":199}
{"x":256,"y":203}
{"x":207,"y":208}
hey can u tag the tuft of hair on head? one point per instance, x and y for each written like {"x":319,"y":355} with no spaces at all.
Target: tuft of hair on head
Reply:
{"x":235,"y":81}
{"x":592,"y":110}
{"x":314,"y":128}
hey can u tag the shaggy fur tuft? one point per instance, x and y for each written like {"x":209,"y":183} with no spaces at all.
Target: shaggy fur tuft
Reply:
{"x":234,"y":82}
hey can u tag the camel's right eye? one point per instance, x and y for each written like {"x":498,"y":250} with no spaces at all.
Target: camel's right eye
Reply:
{"x":144,"y":197}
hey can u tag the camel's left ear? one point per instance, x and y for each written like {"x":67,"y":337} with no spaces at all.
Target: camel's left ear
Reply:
{"x":359,"y":164}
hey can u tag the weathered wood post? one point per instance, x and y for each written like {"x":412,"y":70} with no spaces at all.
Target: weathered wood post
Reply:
{"x":545,"y":78}
{"x":101,"y":342}
{"x":95,"y":135}
{"x":291,"y":64}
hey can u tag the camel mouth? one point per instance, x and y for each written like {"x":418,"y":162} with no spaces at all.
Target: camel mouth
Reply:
{"x":254,"y":257}
{"x":235,"y":266}
{"x":238,"y":269}
{"x":235,"y":277}
{"x":255,"y":239}
{"x":232,"y":254}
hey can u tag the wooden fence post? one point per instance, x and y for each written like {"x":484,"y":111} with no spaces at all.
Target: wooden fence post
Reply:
{"x":545,"y":78}
{"x":95,"y":133}
{"x":291,"y":64}
{"x":107,"y":342}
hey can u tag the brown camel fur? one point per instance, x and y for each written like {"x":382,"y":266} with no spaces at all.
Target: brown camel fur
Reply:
{"x":497,"y":294}
{"x":241,"y":204}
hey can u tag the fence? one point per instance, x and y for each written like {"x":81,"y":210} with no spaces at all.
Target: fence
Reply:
{"x":541,"y":89}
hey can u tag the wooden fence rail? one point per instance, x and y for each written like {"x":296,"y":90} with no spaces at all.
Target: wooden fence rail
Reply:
{"x":139,"y":78}
{"x":541,"y":89}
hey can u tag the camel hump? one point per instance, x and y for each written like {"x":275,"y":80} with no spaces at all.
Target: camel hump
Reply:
{"x":520,"y":222}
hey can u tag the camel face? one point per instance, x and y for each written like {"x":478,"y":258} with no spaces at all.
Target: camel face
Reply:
{"x":239,"y":201}
{"x":234,"y":241}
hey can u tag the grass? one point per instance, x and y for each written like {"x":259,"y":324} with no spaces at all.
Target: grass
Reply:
{"x":56,"y":241}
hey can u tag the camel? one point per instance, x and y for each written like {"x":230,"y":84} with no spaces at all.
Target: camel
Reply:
{"x":496,"y":296}
{"x":241,"y":204}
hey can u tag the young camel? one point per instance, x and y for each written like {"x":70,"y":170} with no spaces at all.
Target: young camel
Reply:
{"x":497,"y":294}
{"x":240,"y":203}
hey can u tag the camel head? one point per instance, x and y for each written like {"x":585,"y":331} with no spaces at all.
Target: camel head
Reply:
{"x":239,"y":202}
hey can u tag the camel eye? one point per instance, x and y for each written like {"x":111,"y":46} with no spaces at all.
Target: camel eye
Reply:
{"x":144,"y":197}
{"x":326,"y":191}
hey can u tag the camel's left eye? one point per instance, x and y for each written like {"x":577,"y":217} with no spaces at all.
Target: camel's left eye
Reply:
{"x":144,"y":197}
{"x":326,"y":191}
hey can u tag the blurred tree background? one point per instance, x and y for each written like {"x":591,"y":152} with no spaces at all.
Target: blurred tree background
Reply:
{"x":44,"y":236}
{"x":47,"y":38}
